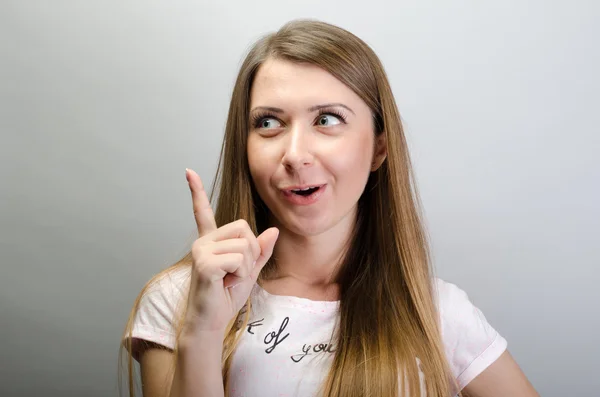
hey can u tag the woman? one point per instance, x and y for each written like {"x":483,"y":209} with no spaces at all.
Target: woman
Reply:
{"x":313,"y":277}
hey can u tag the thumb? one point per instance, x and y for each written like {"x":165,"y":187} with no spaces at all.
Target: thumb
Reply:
{"x":266,"y":241}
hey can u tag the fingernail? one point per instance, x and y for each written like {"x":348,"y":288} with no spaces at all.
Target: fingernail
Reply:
{"x":253,"y":264}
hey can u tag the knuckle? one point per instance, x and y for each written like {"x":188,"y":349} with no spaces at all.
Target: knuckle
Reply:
{"x":198,"y":252}
{"x":248,"y":248}
{"x":243,"y":269}
{"x":246,"y":244}
{"x":197,"y":246}
{"x":242,"y":224}
{"x":202,"y":270}
{"x":254,"y":248}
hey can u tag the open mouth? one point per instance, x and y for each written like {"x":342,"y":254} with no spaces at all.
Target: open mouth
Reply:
{"x":305,"y":195}
{"x":305,"y":192}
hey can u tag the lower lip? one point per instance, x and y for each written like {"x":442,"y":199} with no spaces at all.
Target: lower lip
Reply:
{"x":304,"y":200}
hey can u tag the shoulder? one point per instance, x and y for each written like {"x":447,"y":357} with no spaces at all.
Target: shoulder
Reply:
{"x":164,"y":293}
{"x":169,"y":285}
{"x":159,"y":307}
{"x":449,"y":297}
{"x":471,"y":344}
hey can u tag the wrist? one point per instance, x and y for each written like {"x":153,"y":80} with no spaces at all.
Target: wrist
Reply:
{"x":199,"y":363}
{"x":201,"y":340}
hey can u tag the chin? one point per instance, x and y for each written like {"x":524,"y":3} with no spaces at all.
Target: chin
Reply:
{"x":306,"y":227}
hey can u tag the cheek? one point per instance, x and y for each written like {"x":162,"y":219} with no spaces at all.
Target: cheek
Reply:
{"x":253,"y":161}
{"x":352,"y":171}
{"x":258,"y":162}
{"x":353,"y":159}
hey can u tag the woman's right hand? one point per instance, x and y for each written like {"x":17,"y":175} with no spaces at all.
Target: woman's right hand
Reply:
{"x":226,"y":264}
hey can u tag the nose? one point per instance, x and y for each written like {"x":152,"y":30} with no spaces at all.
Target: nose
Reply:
{"x":298,"y":149}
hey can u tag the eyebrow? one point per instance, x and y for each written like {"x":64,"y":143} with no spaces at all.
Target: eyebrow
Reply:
{"x":310,"y":109}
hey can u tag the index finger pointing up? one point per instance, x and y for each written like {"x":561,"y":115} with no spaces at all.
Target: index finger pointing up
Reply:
{"x":205,"y":218}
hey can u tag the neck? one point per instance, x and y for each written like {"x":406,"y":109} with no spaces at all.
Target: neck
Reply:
{"x":313,"y":260}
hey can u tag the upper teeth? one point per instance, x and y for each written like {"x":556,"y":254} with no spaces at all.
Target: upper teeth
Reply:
{"x":303,"y":190}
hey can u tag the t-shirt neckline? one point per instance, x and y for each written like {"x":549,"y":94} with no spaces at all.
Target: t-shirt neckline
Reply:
{"x":296,"y":302}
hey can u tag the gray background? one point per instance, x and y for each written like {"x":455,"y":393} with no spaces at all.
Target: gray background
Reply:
{"x":104,"y":103}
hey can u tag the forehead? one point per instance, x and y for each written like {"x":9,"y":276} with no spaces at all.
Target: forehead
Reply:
{"x":285,"y":83}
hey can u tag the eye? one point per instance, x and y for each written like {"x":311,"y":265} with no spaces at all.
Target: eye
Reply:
{"x":326,"y":120}
{"x":269,"y":122}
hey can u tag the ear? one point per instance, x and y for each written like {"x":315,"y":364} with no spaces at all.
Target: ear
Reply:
{"x":379,"y":151}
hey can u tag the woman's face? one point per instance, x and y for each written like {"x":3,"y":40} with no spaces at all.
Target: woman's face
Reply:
{"x":311,"y":146}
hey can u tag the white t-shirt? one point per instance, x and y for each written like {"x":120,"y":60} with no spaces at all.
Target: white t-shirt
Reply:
{"x":285,"y":350}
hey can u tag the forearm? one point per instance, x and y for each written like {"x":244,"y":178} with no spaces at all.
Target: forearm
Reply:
{"x":198,"y":372}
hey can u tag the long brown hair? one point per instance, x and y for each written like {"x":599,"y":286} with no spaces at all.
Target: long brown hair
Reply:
{"x":388,"y":321}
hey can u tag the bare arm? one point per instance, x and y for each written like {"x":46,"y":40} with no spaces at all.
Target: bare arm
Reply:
{"x":197,"y":372}
{"x":222,"y":258}
{"x":156,"y":366}
{"x":502,"y":378}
